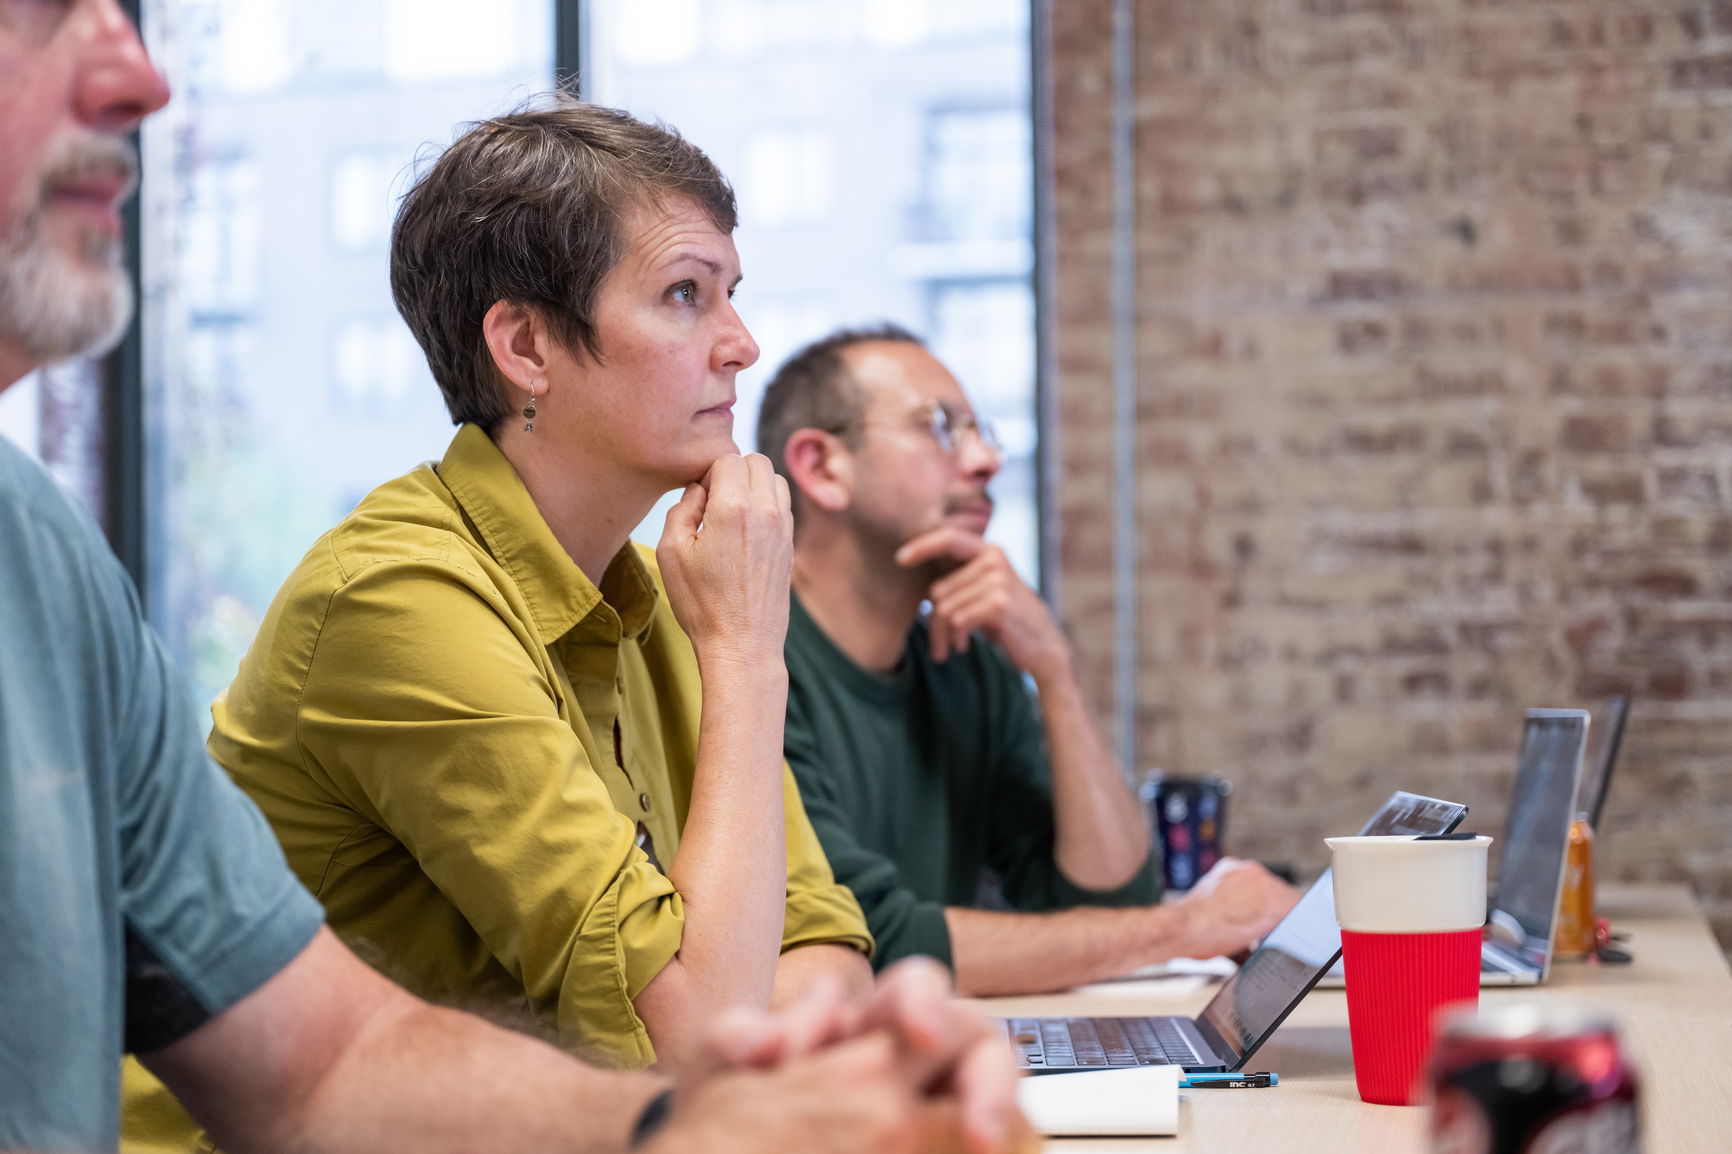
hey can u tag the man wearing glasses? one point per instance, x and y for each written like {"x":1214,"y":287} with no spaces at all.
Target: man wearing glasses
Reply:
{"x":923,"y":761}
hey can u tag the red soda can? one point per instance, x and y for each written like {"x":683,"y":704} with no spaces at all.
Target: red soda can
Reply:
{"x":1530,"y":1078}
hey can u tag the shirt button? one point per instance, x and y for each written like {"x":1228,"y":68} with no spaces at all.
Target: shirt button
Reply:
{"x":643,"y":800}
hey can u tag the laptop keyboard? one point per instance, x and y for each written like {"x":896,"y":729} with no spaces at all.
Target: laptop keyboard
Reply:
{"x":1070,"y":1042}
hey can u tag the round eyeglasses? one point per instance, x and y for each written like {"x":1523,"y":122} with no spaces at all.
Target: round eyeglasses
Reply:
{"x":947,"y":425}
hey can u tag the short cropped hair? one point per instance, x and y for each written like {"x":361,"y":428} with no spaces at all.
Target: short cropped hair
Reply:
{"x":531,"y":208}
{"x":813,"y":389}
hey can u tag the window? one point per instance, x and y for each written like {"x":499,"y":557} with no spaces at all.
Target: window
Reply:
{"x":984,"y":330}
{"x":646,"y":35}
{"x":21,"y":414}
{"x":973,"y":19}
{"x":279,"y":381}
{"x":377,"y":369}
{"x":462,"y":42}
{"x":362,"y":202}
{"x":901,"y":193}
{"x":902,"y":22}
{"x":787,"y":177}
{"x":56,"y":416}
{"x":222,"y":236}
{"x":978,"y":184}
{"x":880,"y":148}
{"x":767,"y":30}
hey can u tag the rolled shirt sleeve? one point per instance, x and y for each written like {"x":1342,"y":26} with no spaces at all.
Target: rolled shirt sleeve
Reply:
{"x":210,"y":909}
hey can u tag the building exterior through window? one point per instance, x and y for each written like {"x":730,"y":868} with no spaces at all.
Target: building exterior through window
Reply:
{"x":880,"y":149}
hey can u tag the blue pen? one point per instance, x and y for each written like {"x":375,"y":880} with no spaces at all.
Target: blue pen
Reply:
{"x":1260,"y":1080}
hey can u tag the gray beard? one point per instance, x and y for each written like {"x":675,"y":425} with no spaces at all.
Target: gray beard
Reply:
{"x":54,"y":305}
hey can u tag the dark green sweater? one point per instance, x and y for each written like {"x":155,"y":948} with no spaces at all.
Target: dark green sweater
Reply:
{"x":918,"y":781}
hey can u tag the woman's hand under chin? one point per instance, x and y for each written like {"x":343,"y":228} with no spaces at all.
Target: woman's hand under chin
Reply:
{"x":726,"y":555}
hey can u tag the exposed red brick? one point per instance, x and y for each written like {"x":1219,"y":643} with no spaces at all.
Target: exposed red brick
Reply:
{"x":1365,"y":284}
{"x":1665,"y":583}
{"x":1704,"y":73}
{"x":1435,"y":410}
{"x":1598,"y":434}
{"x":1613,"y":486}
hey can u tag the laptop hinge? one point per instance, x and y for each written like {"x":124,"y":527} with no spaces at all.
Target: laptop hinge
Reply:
{"x":1227,"y":1054}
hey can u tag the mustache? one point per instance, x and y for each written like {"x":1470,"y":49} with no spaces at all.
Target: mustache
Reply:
{"x":972,"y":501}
{"x":87,"y":156}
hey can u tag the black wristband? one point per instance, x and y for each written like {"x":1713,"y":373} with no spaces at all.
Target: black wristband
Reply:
{"x":654,"y":1117}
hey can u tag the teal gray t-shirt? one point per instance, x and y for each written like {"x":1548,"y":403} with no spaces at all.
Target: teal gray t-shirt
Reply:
{"x":919,"y":782}
{"x":140,"y":892}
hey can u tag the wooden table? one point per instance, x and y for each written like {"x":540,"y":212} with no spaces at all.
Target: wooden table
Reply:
{"x":1673,"y":1005}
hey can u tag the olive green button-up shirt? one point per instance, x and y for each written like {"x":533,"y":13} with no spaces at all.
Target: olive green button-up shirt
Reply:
{"x":475,"y":757}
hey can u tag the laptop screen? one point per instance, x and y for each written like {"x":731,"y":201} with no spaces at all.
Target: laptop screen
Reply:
{"x":1525,"y":905}
{"x":1605,"y":736}
{"x":1296,"y":953}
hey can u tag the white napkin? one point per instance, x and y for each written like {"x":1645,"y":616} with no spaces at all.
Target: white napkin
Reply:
{"x":1215,"y":967}
{"x":1138,"y":1100}
{"x":1169,"y":978}
{"x":1169,"y":986}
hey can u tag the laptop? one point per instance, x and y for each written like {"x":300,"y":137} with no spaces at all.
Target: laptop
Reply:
{"x":1602,"y":755}
{"x":1530,"y":880}
{"x":1249,"y":1005}
{"x":1523,"y":909}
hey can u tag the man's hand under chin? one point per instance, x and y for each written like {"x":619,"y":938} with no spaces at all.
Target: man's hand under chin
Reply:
{"x":982,"y":592}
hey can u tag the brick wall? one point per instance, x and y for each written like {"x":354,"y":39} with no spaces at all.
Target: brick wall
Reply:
{"x":1434,"y":404}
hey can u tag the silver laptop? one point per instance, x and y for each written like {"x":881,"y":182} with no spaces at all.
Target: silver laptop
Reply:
{"x":1530,"y":882}
{"x":1523,"y":910}
{"x":1249,"y":1005}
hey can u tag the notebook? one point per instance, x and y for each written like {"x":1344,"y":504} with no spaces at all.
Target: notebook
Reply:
{"x":1113,"y":1103}
{"x":1523,"y":909}
{"x":1249,"y":1005}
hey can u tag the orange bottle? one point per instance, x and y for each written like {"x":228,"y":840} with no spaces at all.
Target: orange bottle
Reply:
{"x":1575,"y":933}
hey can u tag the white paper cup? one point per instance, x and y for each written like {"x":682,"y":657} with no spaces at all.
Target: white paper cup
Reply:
{"x":1410,"y":911}
{"x":1406,"y":885}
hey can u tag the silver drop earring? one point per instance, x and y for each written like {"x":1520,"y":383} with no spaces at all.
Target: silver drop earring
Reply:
{"x":529,"y":413}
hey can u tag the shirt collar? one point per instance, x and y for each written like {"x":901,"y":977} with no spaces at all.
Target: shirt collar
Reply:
{"x":559,"y":595}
